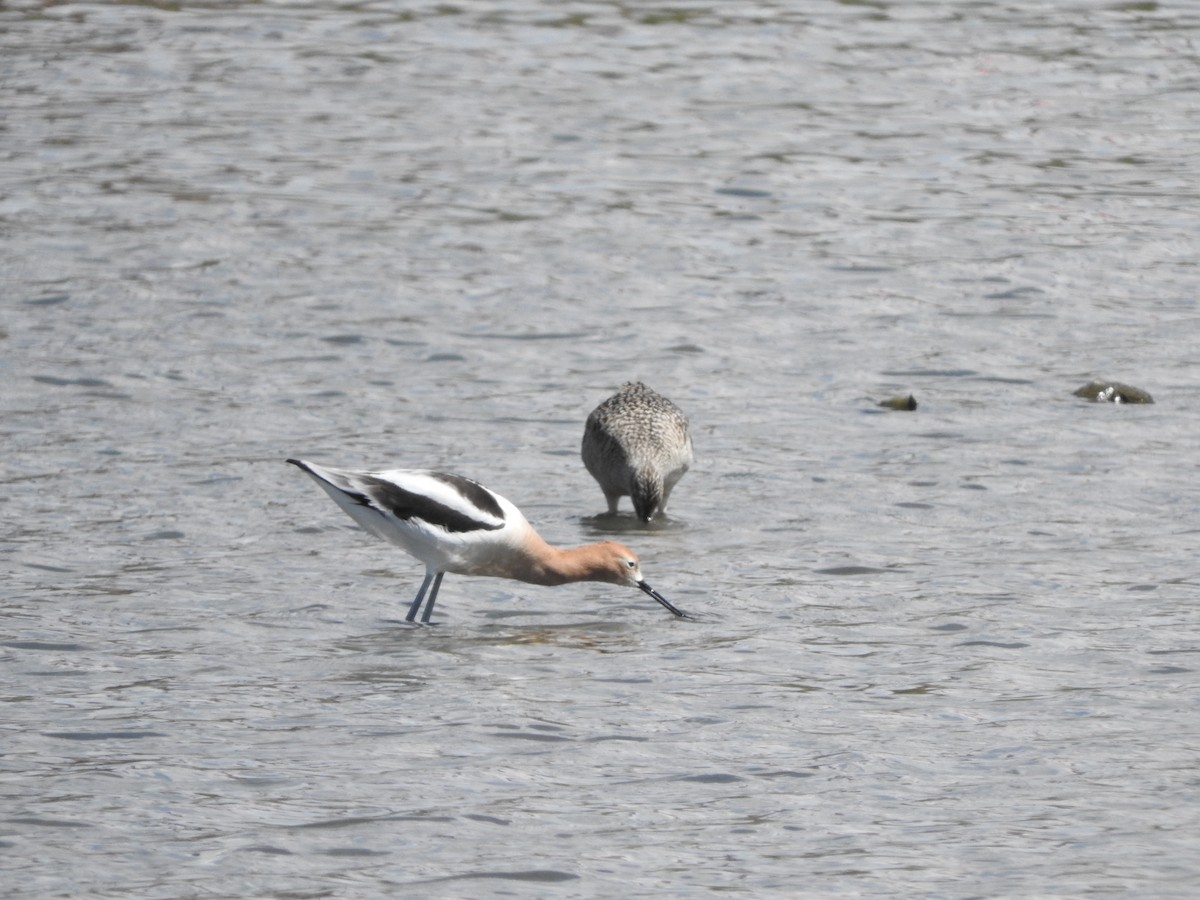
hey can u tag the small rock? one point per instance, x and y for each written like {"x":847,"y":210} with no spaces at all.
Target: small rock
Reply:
{"x":1112,"y":392}
{"x":905,"y":404}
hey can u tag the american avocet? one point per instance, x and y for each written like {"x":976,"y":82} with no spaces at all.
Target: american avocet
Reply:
{"x":636,"y":444}
{"x":454,"y":524}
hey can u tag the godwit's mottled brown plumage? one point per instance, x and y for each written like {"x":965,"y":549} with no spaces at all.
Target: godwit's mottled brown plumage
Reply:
{"x":636,"y":444}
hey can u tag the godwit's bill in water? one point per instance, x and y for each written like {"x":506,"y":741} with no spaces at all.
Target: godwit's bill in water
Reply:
{"x":636,"y":444}
{"x":454,"y":524}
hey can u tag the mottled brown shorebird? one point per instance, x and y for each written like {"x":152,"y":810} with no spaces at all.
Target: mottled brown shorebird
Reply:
{"x":636,"y":444}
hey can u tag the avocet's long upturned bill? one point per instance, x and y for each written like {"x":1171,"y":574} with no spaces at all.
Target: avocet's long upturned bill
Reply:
{"x":636,"y":444}
{"x":454,"y":524}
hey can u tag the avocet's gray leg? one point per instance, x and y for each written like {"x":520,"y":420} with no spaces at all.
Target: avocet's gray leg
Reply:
{"x":416,"y":604}
{"x":437,"y":583}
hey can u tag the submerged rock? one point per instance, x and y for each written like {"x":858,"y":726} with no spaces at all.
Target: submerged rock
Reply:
{"x":906,"y":404}
{"x":1113,"y":392}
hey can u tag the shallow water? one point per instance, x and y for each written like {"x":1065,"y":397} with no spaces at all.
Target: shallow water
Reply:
{"x":951,"y":652}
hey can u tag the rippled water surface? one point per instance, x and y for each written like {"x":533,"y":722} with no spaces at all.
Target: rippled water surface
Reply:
{"x":951,"y":652}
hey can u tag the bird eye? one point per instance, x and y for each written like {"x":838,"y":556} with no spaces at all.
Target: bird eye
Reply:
{"x":631,"y":563}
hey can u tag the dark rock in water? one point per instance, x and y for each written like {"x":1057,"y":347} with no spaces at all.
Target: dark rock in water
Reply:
{"x":1113,"y":392}
{"x":906,"y":404}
